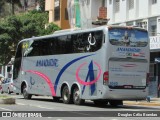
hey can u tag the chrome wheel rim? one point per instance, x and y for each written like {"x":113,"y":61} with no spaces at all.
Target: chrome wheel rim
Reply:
{"x":76,"y":95}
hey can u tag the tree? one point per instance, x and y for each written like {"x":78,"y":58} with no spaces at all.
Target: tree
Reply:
{"x":3,"y":10}
{"x":12,"y":4}
{"x":9,"y":35}
{"x":17,"y":27}
{"x":41,"y":4}
{"x":6,"y":9}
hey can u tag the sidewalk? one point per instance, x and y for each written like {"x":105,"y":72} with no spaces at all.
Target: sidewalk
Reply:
{"x":153,"y":102}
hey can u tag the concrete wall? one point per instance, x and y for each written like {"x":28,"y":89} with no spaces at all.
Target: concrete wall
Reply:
{"x":49,"y":5}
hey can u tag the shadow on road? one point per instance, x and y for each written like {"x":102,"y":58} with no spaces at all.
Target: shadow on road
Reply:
{"x":91,"y":104}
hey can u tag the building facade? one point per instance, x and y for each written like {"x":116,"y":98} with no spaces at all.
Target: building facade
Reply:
{"x":76,"y":13}
{"x":88,"y":13}
{"x":58,"y":12}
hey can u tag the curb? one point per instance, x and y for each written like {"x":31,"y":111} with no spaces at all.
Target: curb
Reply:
{"x":7,"y":101}
{"x":145,"y":103}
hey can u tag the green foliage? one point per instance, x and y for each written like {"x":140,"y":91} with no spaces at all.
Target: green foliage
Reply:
{"x":7,"y":7}
{"x":4,"y":9}
{"x":17,"y":27}
{"x":51,"y":28}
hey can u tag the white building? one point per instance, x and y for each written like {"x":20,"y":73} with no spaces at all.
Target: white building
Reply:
{"x":83,"y":12}
{"x":145,"y":14}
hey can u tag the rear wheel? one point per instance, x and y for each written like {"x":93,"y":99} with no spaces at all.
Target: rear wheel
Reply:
{"x":66,"y":96}
{"x":76,"y":97}
{"x":25,"y":93}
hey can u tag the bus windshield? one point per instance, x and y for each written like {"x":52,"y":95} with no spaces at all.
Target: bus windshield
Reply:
{"x":128,"y":37}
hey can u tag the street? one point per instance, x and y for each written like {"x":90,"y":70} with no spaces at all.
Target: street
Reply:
{"x":45,"y":103}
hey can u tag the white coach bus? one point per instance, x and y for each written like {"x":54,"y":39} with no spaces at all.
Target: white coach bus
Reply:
{"x":106,"y":64}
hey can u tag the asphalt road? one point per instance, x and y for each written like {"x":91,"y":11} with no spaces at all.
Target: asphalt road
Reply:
{"x":44,"y":106}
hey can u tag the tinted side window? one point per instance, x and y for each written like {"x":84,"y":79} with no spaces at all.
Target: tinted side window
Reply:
{"x":66,"y":44}
{"x":87,"y":42}
{"x":128,"y":37}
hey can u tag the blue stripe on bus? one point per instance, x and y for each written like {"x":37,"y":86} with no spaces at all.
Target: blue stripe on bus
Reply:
{"x":65,"y":67}
{"x":90,"y":75}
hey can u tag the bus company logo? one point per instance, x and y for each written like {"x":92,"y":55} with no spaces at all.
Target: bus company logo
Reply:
{"x":90,"y":76}
{"x":47,"y":63}
{"x":133,"y":50}
{"x":91,"y":41}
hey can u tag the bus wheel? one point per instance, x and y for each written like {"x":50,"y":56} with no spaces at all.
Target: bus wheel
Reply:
{"x":76,"y":97}
{"x":115,"y":103}
{"x":8,"y":91}
{"x":100,"y":102}
{"x":66,"y":96}
{"x":25,"y":93}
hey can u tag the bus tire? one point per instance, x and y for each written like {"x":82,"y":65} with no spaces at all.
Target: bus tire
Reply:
{"x":66,"y":97}
{"x":25,"y":93}
{"x":76,"y":97}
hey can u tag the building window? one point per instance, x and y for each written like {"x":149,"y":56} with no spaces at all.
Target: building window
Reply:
{"x":142,"y":24}
{"x":154,"y":1}
{"x":110,"y":1}
{"x":131,"y":4}
{"x":129,"y":23}
{"x":56,"y":14}
{"x":117,"y":6}
{"x":85,"y":2}
{"x":66,"y":14}
{"x":153,"y":30}
{"x":103,"y":3}
{"x":56,"y":10}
